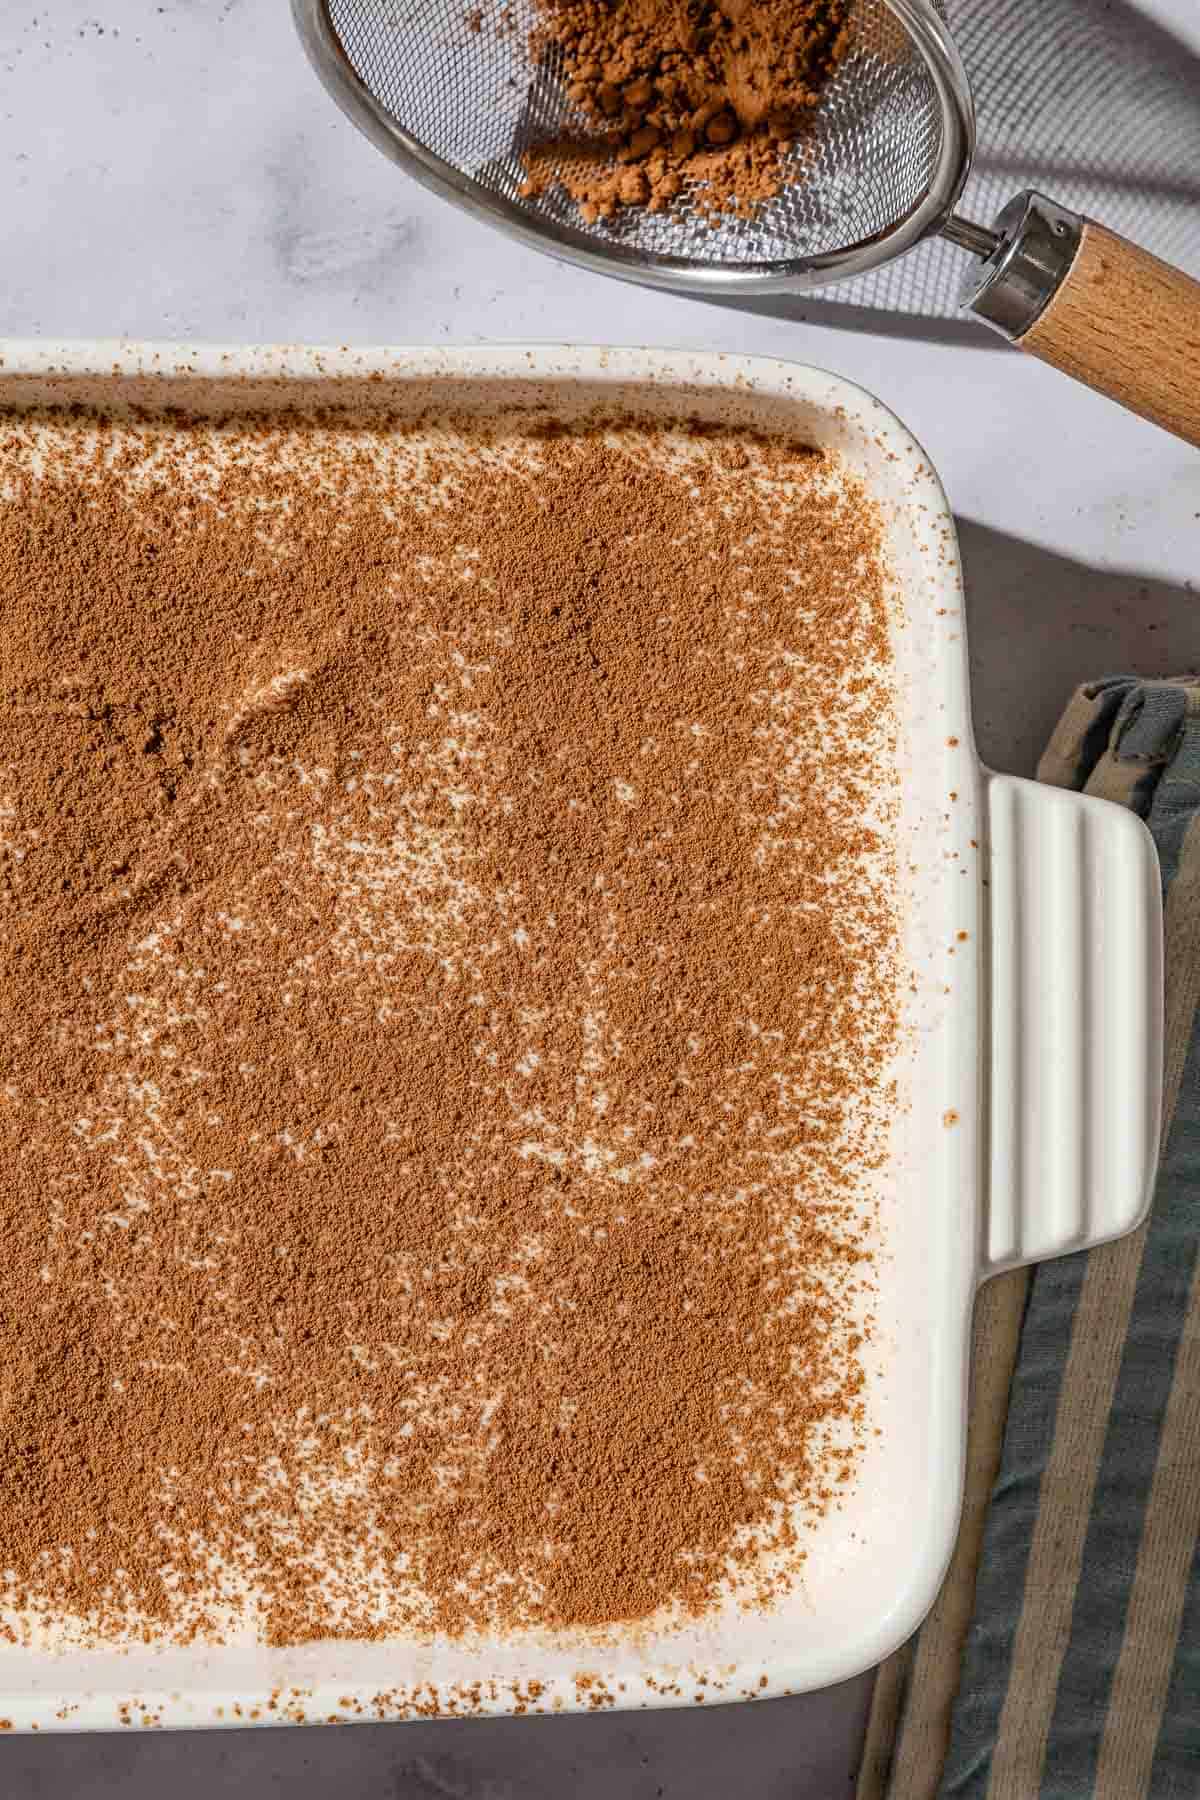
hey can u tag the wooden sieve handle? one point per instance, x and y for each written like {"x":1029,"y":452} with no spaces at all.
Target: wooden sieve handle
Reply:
{"x":1076,"y":295}
{"x":1129,"y":326}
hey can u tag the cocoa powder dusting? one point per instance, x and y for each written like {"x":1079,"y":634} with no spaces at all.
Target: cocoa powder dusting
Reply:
{"x":449,"y":980}
{"x":704,"y":103}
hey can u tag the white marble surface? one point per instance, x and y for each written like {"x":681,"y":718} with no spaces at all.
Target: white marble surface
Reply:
{"x":173,"y":170}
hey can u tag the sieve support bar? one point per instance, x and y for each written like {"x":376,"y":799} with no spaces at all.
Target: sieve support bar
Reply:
{"x":981,"y":240}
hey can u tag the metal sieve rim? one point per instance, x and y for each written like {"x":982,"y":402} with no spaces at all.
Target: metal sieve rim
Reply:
{"x":678,"y":274}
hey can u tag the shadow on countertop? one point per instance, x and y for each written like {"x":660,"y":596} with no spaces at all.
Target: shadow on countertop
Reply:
{"x":1039,"y":623}
{"x":806,"y":1747}
{"x":1096,"y":105}
{"x":816,"y":309}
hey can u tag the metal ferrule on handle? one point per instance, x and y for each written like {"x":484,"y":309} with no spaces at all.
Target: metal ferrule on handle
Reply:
{"x":1034,"y":244}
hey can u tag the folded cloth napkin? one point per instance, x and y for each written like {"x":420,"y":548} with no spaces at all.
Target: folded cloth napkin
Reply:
{"x":1062,"y":1660}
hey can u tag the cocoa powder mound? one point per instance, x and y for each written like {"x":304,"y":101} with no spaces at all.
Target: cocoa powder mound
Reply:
{"x":449,"y":974}
{"x":701,"y":103}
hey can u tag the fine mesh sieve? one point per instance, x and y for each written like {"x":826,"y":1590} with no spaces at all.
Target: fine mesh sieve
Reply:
{"x":458,"y":106}
{"x":455,"y":98}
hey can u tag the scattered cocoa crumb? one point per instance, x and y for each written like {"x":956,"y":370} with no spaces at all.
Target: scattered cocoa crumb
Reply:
{"x":449,"y":975}
{"x":708,"y":101}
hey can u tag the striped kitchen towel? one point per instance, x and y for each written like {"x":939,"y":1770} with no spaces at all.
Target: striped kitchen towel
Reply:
{"x":1062,"y":1660}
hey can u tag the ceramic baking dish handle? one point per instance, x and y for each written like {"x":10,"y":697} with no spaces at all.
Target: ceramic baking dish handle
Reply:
{"x":1074,"y":1019}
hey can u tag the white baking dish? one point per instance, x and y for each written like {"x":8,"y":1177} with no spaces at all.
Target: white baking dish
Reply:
{"x":1030,"y":1092}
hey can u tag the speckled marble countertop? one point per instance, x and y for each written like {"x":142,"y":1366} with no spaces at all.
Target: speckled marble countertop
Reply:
{"x":173,"y":171}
